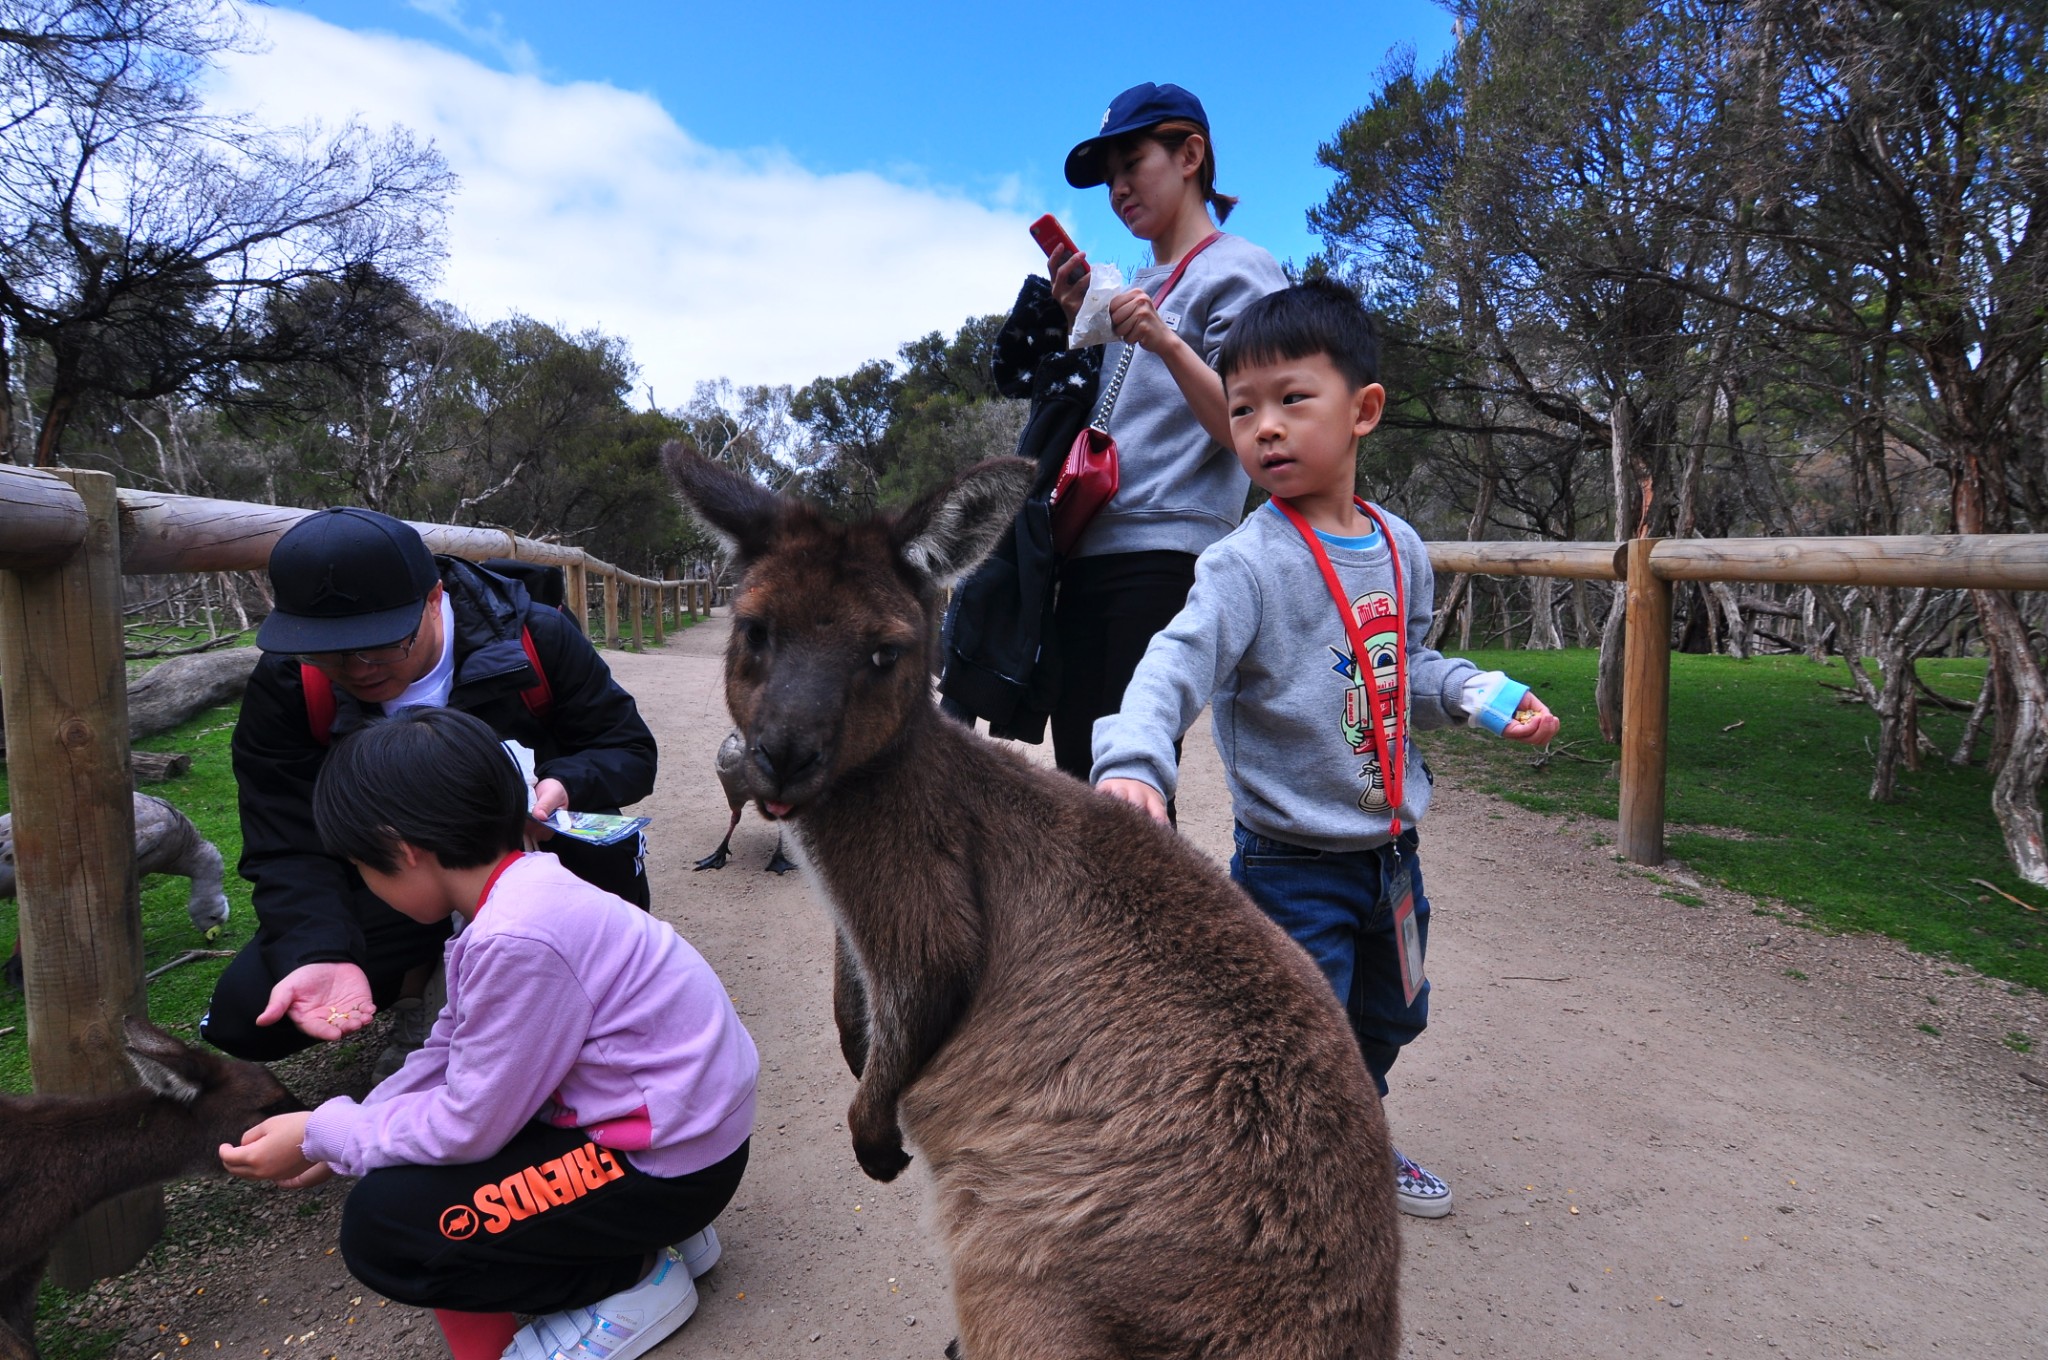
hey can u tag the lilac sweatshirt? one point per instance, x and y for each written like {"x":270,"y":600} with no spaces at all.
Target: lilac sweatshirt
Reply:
{"x":565,"y":1003}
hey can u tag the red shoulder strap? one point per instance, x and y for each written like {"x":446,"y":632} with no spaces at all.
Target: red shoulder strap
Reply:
{"x":319,"y":702}
{"x":1171,"y":279}
{"x":539,"y":698}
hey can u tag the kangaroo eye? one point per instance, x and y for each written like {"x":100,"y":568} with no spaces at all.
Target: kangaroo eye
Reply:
{"x":885,"y":656}
{"x":757,"y":635}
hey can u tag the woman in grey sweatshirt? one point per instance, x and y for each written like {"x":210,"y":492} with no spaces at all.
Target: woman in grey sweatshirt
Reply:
{"x":1179,"y":485}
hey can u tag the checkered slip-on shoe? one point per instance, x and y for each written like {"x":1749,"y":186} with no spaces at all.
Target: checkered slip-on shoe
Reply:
{"x":1417,"y":1192}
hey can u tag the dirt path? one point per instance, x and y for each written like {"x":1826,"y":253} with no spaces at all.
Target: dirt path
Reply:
{"x":1671,"y":1130}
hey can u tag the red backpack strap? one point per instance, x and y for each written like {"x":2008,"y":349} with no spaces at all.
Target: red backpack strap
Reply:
{"x":539,"y":698}
{"x":319,"y":702}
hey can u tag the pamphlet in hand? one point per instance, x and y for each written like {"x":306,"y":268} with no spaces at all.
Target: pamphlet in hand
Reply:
{"x":596,"y":828}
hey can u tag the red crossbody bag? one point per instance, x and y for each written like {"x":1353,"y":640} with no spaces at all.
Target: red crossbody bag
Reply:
{"x":1088,"y":477}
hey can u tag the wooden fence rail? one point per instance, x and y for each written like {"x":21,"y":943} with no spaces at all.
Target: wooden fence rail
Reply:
{"x":1648,"y":566}
{"x":66,"y":538}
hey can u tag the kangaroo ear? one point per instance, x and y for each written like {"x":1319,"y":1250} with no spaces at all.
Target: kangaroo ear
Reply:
{"x":166,"y":1066}
{"x":742,"y":513}
{"x":947,"y":533}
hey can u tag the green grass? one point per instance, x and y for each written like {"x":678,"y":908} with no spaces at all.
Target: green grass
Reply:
{"x":207,"y":796}
{"x":595,"y":631}
{"x":1793,"y":780}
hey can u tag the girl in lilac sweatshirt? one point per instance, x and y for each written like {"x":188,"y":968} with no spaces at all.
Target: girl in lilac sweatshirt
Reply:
{"x":580,"y":1111}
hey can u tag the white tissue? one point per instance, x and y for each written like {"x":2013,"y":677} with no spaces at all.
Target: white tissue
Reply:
{"x":1091,"y":323}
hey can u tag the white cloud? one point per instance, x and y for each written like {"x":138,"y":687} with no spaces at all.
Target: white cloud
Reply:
{"x":491,"y":34}
{"x":584,"y":205}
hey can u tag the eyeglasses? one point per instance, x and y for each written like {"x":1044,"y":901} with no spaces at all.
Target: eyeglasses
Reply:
{"x":374,"y":656}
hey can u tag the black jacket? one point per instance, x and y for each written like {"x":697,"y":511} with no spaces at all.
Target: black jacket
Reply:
{"x":1000,"y":662}
{"x":592,"y":739}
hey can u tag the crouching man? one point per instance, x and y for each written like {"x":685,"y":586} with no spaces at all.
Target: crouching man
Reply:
{"x":369,"y":623}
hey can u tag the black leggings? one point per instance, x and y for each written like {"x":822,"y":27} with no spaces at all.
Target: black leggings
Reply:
{"x":1107,"y":610}
{"x":551,"y":1222}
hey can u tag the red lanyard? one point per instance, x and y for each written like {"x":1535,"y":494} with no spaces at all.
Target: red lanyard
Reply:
{"x":1390,"y":746}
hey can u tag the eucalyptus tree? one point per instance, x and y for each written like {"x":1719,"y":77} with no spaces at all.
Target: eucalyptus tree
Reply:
{"x":1543,"y":203}
{"x":142,"y":235}
{"x":539,"y":435}
{"x":1914,"y":170}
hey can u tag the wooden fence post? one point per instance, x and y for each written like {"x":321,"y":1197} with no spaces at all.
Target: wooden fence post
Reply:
{"x":611,"y":609}
{"x":579,"y":596}
{"x":1645,"y":707}
{"x":661,"y":613}
{"x":66,"y":683}
{"x":639,"y":607}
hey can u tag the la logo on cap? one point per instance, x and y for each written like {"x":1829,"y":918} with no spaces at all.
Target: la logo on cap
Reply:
{"x":1105,"y":118}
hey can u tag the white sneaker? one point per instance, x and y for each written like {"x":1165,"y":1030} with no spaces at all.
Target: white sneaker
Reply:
{"x":548,"y":1334}
{"x":700,"y":1252}
{"x":628,"y":1324}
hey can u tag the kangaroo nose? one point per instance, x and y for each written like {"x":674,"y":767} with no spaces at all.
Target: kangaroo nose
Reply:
{"x":786,"y":762}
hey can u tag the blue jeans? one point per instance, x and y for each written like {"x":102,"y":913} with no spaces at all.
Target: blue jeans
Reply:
{"x":1339,"y":906}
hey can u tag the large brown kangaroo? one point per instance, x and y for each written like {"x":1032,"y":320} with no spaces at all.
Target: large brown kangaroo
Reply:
{"x":61,"y":1155}
{"x":1146,"y":1121}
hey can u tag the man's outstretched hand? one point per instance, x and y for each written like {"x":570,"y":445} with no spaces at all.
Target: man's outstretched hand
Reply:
{"x":325,"y":1000}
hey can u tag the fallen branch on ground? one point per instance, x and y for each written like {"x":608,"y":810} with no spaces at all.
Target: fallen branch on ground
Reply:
{"x":153,"y":767}
{"x":210,"y":645}
{"x":1554,"y":749}
{"x":2006,"y":895}
{"x":1940,"y":700}
{"x":189,"y":956}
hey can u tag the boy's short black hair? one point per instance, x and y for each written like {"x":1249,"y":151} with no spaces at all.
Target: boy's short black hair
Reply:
{"x":434,"y":778}
{"x":1320,"y":316}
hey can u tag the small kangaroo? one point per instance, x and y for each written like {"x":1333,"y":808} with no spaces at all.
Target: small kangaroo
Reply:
{"x":61,"y":1155}
{"x":1147,"y":1124}
{"x":166,"y":842}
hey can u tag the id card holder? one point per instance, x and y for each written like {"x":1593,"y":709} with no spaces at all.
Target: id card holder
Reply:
{"x":1408,"y":932}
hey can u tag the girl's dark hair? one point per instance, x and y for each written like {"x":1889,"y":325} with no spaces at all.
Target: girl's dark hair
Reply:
{"x":1173,"y":134}
{"x":434,"y":778}
{"x":1320,"y":316}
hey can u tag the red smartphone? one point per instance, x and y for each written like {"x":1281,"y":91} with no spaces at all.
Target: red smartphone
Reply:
{"x":1050,"y":235}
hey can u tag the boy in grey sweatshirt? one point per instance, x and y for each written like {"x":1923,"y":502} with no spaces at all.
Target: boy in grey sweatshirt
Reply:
{"x":1326,"y":784}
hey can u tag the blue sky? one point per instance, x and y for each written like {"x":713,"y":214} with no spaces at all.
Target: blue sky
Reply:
{"x":769,"y":191}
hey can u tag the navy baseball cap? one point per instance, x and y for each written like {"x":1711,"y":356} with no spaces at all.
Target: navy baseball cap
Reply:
{"x":1141,"y":106}
{"x":346,"y":580}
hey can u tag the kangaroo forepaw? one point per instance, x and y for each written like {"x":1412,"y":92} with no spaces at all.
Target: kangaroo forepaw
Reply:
{"x":882,"y":1161}
{"x":953,"y":1349}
